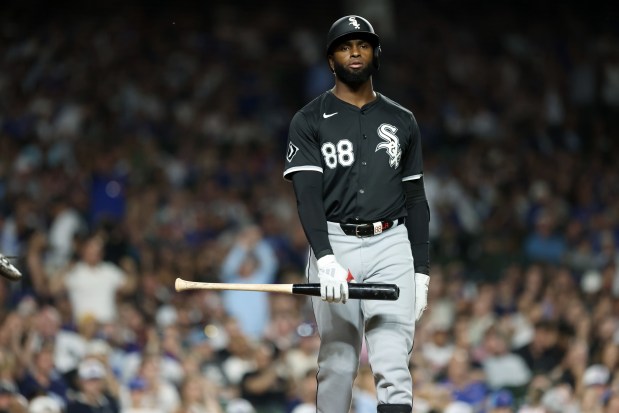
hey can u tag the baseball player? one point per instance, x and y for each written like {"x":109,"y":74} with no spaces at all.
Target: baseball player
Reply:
{"x":354,"y":158}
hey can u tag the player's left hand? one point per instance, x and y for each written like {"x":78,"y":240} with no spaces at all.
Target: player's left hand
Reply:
{"x":422,"y":281}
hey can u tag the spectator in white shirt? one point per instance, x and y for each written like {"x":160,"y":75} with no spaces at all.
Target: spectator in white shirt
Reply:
{"x":92,"y":283}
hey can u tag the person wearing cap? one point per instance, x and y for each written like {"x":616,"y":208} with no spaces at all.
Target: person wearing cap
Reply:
{"x":595,"y":383}
{"x":135,"y":399}
{"x":42,"y":376}
{"x":44,"y":404}
{"x":501,"y":401}
{"x":160,"y":392}
{"x":596,"y":375}
{"x":92,"y":397}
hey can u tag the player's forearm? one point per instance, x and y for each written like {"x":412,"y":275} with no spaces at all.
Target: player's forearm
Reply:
{"x":418,"y":234}
{"x":418,"y":224}
{"x":308,"y":191}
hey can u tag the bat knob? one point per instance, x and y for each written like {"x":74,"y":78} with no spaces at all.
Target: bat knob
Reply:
{"x":178,"y":284}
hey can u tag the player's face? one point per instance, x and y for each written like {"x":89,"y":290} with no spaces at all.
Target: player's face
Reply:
{"x":352,"y":61}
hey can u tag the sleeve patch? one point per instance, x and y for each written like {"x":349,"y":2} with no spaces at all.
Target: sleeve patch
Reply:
{"x":292,"y":151}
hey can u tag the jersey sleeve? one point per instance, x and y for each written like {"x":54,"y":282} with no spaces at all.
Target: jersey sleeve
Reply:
{"x":303,"y":151}
{"x":413,"y":161}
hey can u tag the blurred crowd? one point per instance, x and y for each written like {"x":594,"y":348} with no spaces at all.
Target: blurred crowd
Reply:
{"x":142,"y":144}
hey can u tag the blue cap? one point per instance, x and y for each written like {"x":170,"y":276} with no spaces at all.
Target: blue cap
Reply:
{"x":136,"y":383}
{"x":501,"y":398}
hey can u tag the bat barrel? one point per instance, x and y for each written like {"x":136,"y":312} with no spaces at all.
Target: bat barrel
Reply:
{"x":389,"y":292}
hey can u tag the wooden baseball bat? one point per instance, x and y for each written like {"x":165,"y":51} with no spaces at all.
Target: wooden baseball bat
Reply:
{"x":388,"y":292}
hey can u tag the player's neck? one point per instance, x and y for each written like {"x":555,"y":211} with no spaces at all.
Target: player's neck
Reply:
{"x":359,"y":96}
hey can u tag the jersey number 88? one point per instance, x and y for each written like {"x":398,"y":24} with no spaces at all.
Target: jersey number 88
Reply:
{"x":341,"y":153}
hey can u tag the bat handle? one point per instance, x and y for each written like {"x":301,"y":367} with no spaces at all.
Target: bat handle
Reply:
{"x":388,"y":292}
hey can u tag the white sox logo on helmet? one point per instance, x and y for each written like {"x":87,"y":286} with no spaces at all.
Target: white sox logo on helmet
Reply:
{"x":391,"y":144}
{"x":353,"y":22}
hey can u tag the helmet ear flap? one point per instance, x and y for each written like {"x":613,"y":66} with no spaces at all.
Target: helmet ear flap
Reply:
{"x":377,"y":53}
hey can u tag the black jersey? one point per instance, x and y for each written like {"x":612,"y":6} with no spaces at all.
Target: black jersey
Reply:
{"x":363,"y":153}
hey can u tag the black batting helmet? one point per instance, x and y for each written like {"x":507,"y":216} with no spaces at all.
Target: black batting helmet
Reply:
{"x":353,"y":26}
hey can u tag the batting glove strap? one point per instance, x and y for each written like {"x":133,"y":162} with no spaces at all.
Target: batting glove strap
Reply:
{"x":422,"y":283}
{"x":333,"y":285}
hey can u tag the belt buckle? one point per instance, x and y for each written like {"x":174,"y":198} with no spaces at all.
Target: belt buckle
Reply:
{"x":357,"y":232}
{"x":376,"y":228}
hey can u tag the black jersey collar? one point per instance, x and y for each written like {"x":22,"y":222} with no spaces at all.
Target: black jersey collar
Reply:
{"x":365,"y":107}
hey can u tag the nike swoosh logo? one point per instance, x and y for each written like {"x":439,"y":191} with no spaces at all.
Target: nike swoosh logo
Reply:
{"x":324,"y":115}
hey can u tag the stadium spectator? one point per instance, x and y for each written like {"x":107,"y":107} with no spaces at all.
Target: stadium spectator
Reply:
{"x":40,"y":377}
{"x":92,"y":284}
{"x":266,"y":386}
{"x":503,"y":369}
{"x":465,"y":382}
{"x":198,"y":395}
{"x":94,"y":394}
{"x":543,"y":353}
{"x":251,"y":260}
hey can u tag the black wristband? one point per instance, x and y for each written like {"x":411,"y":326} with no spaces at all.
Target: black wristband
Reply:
{"x":323,"y":253}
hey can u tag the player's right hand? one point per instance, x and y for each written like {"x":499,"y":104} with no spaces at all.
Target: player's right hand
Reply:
{"x":422,"y":281}
{"x":333,"y":280}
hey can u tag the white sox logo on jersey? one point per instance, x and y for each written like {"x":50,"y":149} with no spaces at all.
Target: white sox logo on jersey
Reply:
{"x":391,"y":144}
{"x":353,"y":23}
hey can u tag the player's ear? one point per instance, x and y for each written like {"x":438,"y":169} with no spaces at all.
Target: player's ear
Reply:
{"x":331,"y":66}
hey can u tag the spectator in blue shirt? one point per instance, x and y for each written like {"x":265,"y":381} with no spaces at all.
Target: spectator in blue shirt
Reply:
{"x":544,"y":244}
{"x":252,"y":261}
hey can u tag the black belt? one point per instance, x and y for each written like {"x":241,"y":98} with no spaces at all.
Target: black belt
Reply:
{"x":369,"y":230}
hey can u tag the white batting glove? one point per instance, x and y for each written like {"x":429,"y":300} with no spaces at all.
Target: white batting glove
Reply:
{"x":333,"y":280}
{"x":422,"y":281}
